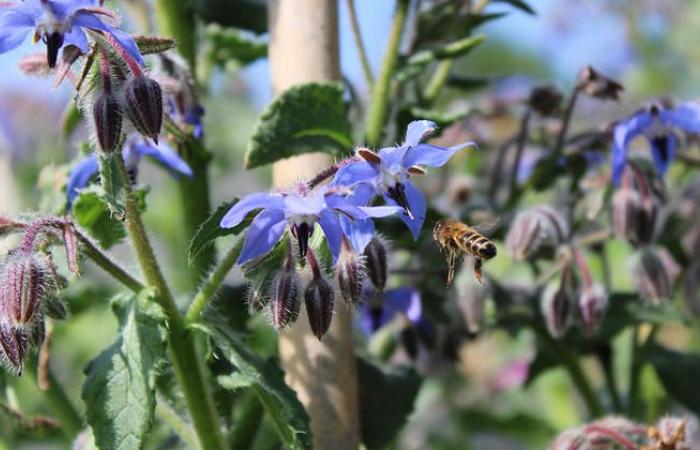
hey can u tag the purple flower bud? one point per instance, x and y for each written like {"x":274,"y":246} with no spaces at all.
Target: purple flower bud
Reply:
{"x":556,"y":309}
{"x":534,"y":231}
{"x":375,"y":256}
{"x":349,"y":273}
{"x":13,"y":346}
{"x":592,"y":304}
{"x":255,"y":297}
{"x":653,"y":274}
{"x":284,"y":299}
{"x":634,"y":208}
{"x":318,"y":298}
{"x":107,"y":115}
{"x":24,"y":282}
{"x":70,"y":242}
{"x":545,"y":100}
{"x":144,"y":105}
{"x":603,"y":434}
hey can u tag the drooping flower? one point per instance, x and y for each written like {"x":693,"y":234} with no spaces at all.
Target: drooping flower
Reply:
{"x":60,"y":23}
{"x":135,"y":148}
{"x":379,"y":308}
{"x":387,"y":172}
{"x":301,"y":208}
{"x":658,"y":124}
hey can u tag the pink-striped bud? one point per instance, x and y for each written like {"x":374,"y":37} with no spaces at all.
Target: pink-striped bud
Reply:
{"x":592,"y":304}
{"x":284,"y":294}
{"x":534,"y":231}
{"x":107,"y":115}
{"x":318,"y":298}
{"x":13,"y":346}
{"x":25,"y":280}
{"x":635,"y":208}
{"x":653,"y":274}
{"x":376,"y":263}
{"x":670,"y":434}
{"x":144,"y":105}
{"x":556,"y":309}
{"x":70,"y":242}
{"x":349,"y":273}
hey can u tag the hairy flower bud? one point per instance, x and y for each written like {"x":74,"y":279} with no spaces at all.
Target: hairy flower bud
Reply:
{"x":376,"y":263}
{"x":635,"y":208}
{"x":669,"y":434}
{"x":653,"y":274}
{"x":604,"y":434}
{"x":545,"y":100}
{"x":144,"y":105}
{"x":556,"y":309}
{"x":318,"y":298}
{"x":255,"y":297}
{"x":284,"y":294}
{"x":536,"y":230}
{"x":25,"y":280}
{"x":592,"y":304}
{"x":349,"y":273}
{"x":107,"y":115}
{"x":13,"y":346}
{"x":595,"y":84}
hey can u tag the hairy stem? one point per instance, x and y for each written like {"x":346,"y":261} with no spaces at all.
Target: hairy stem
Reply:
{"x":212,"y":284}
{"x":187,"y":363}
{"x":105,"y":263}
{"x":381,"y":91}
{"x":250,"y":415}
{"x":357,"y":35}
{"x":566,"y":120}
{"x":176,"y":20}
{"x":168,"y":415}
{"x":437,"y":80}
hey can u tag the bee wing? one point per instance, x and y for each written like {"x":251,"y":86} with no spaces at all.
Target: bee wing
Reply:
{"x":489,"y":226}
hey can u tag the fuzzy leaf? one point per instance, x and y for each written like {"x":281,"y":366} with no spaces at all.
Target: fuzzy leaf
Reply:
{"x":91,"y":211}
{"x":519,"y":4}
{"x":226,"y":45}
{"x":112,"y":185}
{"x":306,"y":118}
{"x":267,"y":381}
{"x":119,"y":389}
{"x":678,"y":373}
{"x":386,"y":401}
{"x":210,"y":230}
{"x":154,"y":44}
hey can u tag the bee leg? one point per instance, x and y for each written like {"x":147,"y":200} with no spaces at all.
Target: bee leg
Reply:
{"x":451,"y":260}
{"x":477,"y":270}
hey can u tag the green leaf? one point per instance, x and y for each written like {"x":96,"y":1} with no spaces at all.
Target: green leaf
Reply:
{"x":419,"y":61}
{"x":149,"y":45}
{"x":267,"y":381}
{"x":519,"y":4}
{"x":70,"y":120}
{"x":246,"y":14}
{"x":119,"y":389}
{"x":111,"y":181}
{"x":679,"y":373}
{"x":306,"y":118}
{"x":210,"y":230}
{"x":467,"y":83}
{"x":386,"y":401}
{"x":225,"y":45}
{"x":91,"y":211}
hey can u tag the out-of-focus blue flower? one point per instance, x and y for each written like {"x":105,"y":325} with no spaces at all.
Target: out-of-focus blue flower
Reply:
{"x":135,"y":148}
{"x":387,"y":172}
{"x":184,"y":112}
{"x":59,"y":23}
{"x":379,"y":308}
{"x":657,"y":124}
{"x":301,"y":209}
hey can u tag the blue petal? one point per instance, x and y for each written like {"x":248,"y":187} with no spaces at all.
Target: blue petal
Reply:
{"x":431,"y":155}
{"x":354,"y":173}
{"x":14,"y":27}
{"x":90,"y":20}
{"x":686,"y":117}
{"x":331,"y":228}
{"x":164,"y":154}
{"x":406,"y":301}
{"x":264,"y":232}
{"x":346,"y":206}
{"x":358,"y":232}
{"x":362,"y":194}
{"x":418,"y":130}
{"x":393,"y":156}
{"x":77,"y":37}
{"x":80,"y":177}
{"x":380,"y":211}
{"x":663,"y":154}
{"x":416,"y":202}
{"x":240,"y":210}
{"x":623,"y":134}
{"x":371,"y":319}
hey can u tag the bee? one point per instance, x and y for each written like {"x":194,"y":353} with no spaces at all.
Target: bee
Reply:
{"x":455,"y":239}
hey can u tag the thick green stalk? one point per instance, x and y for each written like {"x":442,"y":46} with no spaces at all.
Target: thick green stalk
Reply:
{"x":187,"y":364}
{"x":357,"y":35}
{"x":381,"y":91}
{"x":634,"y":404}
{"x":437,"y":80}
{"x":168,"y":415}
{"x":212,"y":284}
{"x":176,"y":20}
{"x":245,"y":428}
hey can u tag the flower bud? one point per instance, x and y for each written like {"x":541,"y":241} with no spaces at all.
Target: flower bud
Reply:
{"x":592,"y":304}
{"x":669,"y":434}
{"x":595,"y":84}
{"x":691,"y":289}
{"x":25,"y":280}
{"x":318,"y":298}
{"x":376,"y":263}
{"x":606,"y":433}
{"x":284,"y":299}
{"x":634,"y":208}
{"x":534,"y":231}
{"x":653,"y":274}
{"x":471,"y":301}
{"x":70,"y":242}
{"x":13,"y":346}
{"x":556,"y":309}
{"x":255,"y":297}
{"x":108,"y":121}
{"x":144,"y":105}
{"x":349,"y":273}
{"x":545,"y":100}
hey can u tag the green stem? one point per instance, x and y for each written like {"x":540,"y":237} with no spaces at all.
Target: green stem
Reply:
{"x":61,"y":406}
{"x":101,"y":259}
{"x":605,"y":359}
{"x":245,"y":428}
{"x":566,"y":120}
{"x":519,"y":148}
{"x":212,"y":284}
{"x":638,"y":351}
{"x":357,"y":35}
{"x":381,"y":91}
{"x":188,"y":366}
{"x":168,"y":415}
{"x":438,"y":80}
{"x":176,"y":20}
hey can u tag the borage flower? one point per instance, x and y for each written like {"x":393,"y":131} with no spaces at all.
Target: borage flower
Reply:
{"x":59,"y":23}
{"x":657,"y":123}
{"x":387,"y":172}
{"x":135,"y":148}
{"x":377,"y":309}
{"x":300,"y":208}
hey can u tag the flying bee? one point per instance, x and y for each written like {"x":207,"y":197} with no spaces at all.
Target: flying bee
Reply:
{"x":455,"y":239}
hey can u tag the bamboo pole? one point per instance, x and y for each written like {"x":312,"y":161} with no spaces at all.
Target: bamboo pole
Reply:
{"x":304,"y":48}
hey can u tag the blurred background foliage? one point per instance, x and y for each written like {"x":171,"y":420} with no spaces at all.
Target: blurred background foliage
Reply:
{"x":475,"y":398}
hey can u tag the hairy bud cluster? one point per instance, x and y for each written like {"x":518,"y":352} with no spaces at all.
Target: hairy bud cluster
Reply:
{"x":606,"y":433}
{"x":535,"y":231}
{"x":653,"y":272}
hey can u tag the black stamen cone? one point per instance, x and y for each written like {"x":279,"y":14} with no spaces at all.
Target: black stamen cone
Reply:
{"x":398,"y":194}
{"x":302,"y":233}
{"x":54,"y":42}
